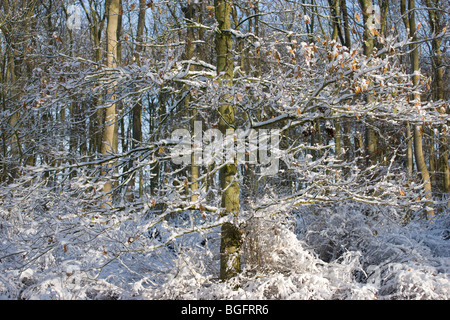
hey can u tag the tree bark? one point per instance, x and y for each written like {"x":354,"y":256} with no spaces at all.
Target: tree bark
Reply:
{"x":335,"y":13}
{"x":368,"y":43}
{"x":409,"y":150}
{"x":137,"y":109}
{"x":418,"y":148}
{"x":230,"y":264}
{"x":109,"y":138}
{"x":438,"y":68}
{"x":367,"y":36}
{"x":348,"y":39}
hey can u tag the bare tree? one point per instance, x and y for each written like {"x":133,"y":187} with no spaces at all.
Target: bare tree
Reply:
{"x":437,"y":27}
{"x":230,"y":241}
{"x":110,"y":139}
{"x":418,"y":129}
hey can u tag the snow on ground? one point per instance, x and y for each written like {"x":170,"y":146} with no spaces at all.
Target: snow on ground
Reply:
{"x":341,"y":251}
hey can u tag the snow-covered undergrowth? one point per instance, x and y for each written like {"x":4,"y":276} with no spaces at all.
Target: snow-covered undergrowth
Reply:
{"x":55,"y":248}
{"x":369,"y":260}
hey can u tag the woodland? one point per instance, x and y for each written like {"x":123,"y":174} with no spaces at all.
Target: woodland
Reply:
{"x":224,"y":149}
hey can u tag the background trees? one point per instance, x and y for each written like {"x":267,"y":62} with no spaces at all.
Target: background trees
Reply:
{"x":354,"y":87}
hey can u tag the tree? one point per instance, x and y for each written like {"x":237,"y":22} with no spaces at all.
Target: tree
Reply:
{"x":230,"y":240}
{"x":109,"y":138}
{"x":368,"y":44}
{"x":437,"y":27}
{"x":192,"y":114}
{"x":16,"y":29}
{"x":96,"y":22}
{"x":418,"y":129}
{"x":136,"y":119}
{"x":85,"y":112}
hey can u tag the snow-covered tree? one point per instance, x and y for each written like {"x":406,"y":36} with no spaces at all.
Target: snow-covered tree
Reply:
{"x":223,"y":149}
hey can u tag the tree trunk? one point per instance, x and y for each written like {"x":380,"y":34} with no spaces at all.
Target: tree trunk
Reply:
{"x":418,"y":130}
{"x":109,"y":138}
{"x":258,"y":50}
{"x":347,"y":37}
{"x":368,"y":43}
{"x":347,"y":123}
{"x":334,"y":7}
{"x":97,"y":119}
{"x":230,"y":264}
{"x":409,"y":150}
{"x":438,"y":68}
{"x":188,"y":55}
{"x":137,"y":109}
{"x":367,"y":36}
{"x":335,"y":13}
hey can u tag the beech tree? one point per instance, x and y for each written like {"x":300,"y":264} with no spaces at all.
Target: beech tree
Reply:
{"x":437,"y":27}
{"x":410,"y":24}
